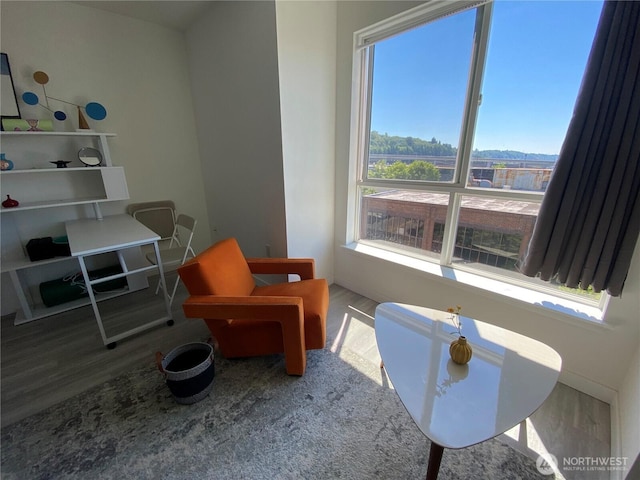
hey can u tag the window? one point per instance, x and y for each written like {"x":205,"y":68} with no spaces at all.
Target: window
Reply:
{"x":462,"y":110}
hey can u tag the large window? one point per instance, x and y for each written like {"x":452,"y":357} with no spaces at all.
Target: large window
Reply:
{"x":462,"y":111}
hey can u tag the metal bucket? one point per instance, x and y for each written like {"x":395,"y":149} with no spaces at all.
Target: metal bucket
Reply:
{"x":189,"y":371}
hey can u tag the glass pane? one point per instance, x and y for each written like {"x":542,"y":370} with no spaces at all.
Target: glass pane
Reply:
{"x":418,"y":93}
{"x":494,"y":232}
{"x":536,"y":57}
{"x":401,"y":219}
{"x":493,"y":235}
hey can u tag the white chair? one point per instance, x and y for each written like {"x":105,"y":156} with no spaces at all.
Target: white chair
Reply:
{"x":159,"y":216}
{"x":178,"y":251}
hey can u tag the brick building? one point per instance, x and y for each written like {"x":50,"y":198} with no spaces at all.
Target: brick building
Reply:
{"x":490,"y":231}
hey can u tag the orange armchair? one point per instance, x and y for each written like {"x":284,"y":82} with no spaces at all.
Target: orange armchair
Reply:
{"x":249,"y":320}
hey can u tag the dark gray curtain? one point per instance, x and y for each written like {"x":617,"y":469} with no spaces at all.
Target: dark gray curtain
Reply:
{"x":589,"y":220}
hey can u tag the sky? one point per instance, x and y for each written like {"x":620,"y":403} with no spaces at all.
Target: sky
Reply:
{"x":536,"y":58}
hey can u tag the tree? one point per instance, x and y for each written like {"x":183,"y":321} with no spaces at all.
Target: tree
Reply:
{"x":378,"y":170}
{"x":421,"y":170}
{"x":383,"y":143}
{"x":418,"y":170}
{"x":397,"y":170}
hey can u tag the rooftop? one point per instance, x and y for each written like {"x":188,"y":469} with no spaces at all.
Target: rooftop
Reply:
{"x":479,"y":203}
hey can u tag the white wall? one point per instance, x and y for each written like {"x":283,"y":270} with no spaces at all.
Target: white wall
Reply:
{"x":138,"y":71}
{"x":307,"y":61}
{"x":629,"y":408}
{"x":233,"y":64}
{"x":593,"y":358}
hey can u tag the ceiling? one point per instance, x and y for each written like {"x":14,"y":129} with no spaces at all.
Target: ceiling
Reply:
{"x":178,"y":15}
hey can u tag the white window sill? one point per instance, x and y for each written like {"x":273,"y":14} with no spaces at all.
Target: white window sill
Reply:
{"x":564,"y":309}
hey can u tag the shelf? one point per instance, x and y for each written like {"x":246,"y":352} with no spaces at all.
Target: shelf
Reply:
{"x":50,"y":170}
{"x":58,"y":187}
{"x":58,"y":134}
{"x":41,"y":311}
{"x":53,"y":203}
{"x":24,"y":263}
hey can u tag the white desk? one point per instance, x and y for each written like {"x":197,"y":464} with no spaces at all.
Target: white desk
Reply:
{"x":456,"y":406}
{"x":113,"y":234}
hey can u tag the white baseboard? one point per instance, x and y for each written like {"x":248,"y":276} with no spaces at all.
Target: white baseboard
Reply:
{"x":584,"y":385}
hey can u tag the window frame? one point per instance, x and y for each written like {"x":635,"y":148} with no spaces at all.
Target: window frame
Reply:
{"x":362,"y":74}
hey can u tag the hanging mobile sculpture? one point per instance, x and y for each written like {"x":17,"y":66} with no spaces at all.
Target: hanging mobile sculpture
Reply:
{"x":94,"y":110}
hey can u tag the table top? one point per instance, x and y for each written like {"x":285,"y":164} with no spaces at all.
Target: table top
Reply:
{"x":455,"y":406}
{"x":113,"y":232}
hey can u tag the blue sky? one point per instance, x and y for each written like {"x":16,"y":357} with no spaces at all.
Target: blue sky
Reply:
{"x":536,"y":58}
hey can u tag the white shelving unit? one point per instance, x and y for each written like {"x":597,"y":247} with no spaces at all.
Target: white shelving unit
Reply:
{"x":65,"y":186}
{"x":48,"y":197}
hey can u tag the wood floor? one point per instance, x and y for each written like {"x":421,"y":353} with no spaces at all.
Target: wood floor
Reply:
{"x":49,"y":360}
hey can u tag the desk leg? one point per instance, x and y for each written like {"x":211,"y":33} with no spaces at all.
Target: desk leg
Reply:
{"x":435,"y":456}
{"x":92,"y":297}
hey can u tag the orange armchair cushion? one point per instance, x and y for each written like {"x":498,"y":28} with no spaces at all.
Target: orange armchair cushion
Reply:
{"x":219,"y":270}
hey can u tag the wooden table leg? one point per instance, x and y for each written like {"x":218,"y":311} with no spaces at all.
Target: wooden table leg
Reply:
{"x":435,"y":456}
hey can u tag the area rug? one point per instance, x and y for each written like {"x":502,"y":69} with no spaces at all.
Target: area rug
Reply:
{"x":341,"y":420}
